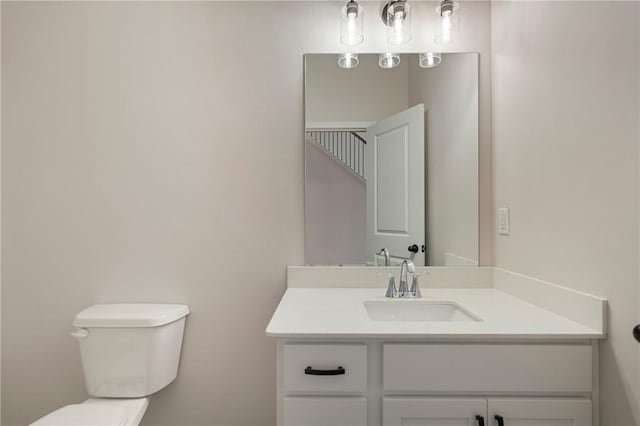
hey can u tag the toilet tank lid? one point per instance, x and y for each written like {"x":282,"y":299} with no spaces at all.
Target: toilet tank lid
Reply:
{"x":130,"y":315}
{"x":83,"y":415}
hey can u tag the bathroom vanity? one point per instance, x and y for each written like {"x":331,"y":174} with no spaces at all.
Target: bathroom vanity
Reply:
{"x":481,"y":355}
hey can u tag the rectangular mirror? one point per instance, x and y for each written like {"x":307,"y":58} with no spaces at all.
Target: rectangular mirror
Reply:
{"x":391,"y":161}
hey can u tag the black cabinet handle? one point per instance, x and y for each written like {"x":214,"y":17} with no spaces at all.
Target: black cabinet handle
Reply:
{"x":636,"y":332}
{"x":500,"y":420}
{"x":480,"y":420}
{"x":313,"y":372}
{"x":413,"y":248}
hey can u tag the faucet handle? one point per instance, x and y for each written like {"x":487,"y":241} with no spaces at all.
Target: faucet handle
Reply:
{"x":391,"y":288}
{"x":415,"y":287}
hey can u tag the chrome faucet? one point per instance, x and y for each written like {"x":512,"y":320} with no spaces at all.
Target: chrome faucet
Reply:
{"x":407,"y":266}
{"x":403,"y":291}
{"x":387,"y":256}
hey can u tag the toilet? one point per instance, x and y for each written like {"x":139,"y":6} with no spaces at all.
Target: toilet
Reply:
{"x":128,"y":352}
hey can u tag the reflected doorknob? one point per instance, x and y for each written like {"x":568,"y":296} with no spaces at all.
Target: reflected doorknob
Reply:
{"x":636,"y":332}
{"x":413,"y":248}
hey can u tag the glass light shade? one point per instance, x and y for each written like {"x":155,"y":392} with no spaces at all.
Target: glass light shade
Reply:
{"x":430,"y":59}
{"x":351,"y":22}
{"x":449,"y":28}
{"x":348,"y":60}
{"x":389,"y":60}
{"x":398,"y":22}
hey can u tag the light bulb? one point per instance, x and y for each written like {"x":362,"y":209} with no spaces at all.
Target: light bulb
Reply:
{"x":398,"y":20}
{"x":430,"y":59}
{"x":397,"y":24}
{"x":351,"y":24}
{"x":446,"y":8}
{"x":388,"y":60}
{"x":446,"y":28}
{"x":348,"y":60}
{"x":449,"y":14}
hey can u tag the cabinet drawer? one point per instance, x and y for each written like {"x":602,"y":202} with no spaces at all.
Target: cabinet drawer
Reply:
{"x":307,"y":411}
{"x":325,"y":368}
{"x":487,"y":368}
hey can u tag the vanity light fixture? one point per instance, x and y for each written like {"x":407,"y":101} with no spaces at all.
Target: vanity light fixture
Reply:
{"x":351,"y":24}
{"x":430,"y":59}
{"x":449,"y":12}
{"x":389,"y":60}
{"x":396,"y":15}
{"x":348,"y":60}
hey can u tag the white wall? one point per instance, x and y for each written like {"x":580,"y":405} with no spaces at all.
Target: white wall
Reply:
{"x":449,"y":93}
{"x":153,"y":151}
{"x":566,"y":81}
{"x":335,"y":205}
{"x":364,"y":93}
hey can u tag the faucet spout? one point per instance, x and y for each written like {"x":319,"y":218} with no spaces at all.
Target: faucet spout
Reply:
{"x":407,"y":266}
{"x":387,"y":256}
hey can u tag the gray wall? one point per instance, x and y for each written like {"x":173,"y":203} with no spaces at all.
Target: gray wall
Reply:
{"x":566,"y":125}
{"x":335,"y":209}
{"x":449,"y":93}
{"x":154,"y":152}
{"x":364,"y":93}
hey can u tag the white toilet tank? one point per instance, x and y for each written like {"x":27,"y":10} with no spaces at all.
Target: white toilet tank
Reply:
{"x":130,"y":350}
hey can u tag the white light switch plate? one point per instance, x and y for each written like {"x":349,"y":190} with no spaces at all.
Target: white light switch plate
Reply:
{"x":504,"y":227}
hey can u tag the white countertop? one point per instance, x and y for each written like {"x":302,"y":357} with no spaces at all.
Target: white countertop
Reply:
{"x":340,"y":313}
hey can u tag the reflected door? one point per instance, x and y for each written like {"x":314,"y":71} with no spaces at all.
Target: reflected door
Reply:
{"x":396,"y":185}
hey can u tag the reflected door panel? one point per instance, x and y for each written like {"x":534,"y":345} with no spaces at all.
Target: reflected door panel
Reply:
{"x":394,"y":176}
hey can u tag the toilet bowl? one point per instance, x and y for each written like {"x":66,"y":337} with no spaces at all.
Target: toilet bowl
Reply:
{"x":128,"y":352}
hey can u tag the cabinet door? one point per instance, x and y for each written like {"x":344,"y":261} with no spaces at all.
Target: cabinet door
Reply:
{"x":540,"y":412}
{"x":324,"y":411}
{"x":434,"y":411}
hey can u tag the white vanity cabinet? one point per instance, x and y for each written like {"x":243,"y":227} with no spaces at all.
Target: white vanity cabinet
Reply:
{"x":377,"y":382}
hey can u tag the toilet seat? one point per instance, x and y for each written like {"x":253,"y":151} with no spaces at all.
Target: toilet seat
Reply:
{"x":85,"y":415}
{"x":98,"y":412}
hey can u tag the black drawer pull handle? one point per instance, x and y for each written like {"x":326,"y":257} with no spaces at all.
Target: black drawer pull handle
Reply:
{"x":480,"y":420}
{"x":636,"y":332}
{"x":313,"y":372}
{"x":500,"y":420}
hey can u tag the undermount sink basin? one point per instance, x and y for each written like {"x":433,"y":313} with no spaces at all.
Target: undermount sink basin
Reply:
{"x":417,"y":310}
